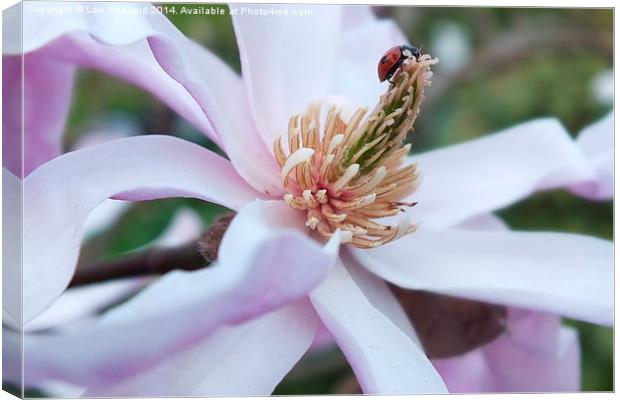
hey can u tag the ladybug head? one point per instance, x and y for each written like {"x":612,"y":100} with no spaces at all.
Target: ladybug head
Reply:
{"x":410,"y":51}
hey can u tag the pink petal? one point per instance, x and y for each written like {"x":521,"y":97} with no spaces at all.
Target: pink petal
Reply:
{"x":249,"y":359}
{"x":186,"y":226}
{"x":529,"y":362}
{"x":356,"y":64}
{"x":322,"y":339}
{"x":484,"y":222}
{"x":104,"y":216}
{"x":469,"y":373}
{"x":87,"y":301}
{"x":384,"y":358}
{"x":353,"y":16}
{"x":563,"y":273}
{"x":11,"y":249}
{"x":596,"y":141}
{"x":379,"y":295}
{"x":100,"y":40}
{"x":157,"y":57}
{"x":224,"y":100}
{"x":493,"y":172}
{"x":47,"y":88}
{"x":255,"y":273}
{"x":536,"y":354}
{"x":84,"y":302}
{"x":65,"y":190}
{"x":12,"y":116}
{"x":139,"y":67}
{"x":286,"y":61}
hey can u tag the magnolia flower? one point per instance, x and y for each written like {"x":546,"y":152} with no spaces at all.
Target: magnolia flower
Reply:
{"x":287,"y":265}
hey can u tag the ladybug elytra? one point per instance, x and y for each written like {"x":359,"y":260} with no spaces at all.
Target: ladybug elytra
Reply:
{"x":393,"y":59}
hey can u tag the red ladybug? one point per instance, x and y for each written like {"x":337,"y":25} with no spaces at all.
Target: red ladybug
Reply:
{"x":393,"y":59}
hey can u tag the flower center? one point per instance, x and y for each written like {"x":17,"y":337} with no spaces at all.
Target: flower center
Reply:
{"x":353,"y":175}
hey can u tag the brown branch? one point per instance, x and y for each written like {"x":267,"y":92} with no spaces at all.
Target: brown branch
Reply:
{"x":450,"y":326}
{"x":155,"y":260}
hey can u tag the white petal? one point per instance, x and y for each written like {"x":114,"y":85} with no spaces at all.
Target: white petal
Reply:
{"x":286,"y":61}
{"x":379,"y":295}
{"x":484,"y":222}
{"x":249,"y":359}
{"x":384,"y":358}
{"x":104,"y":216}
{"x":263,"y":264}
{"x":12,"y":249}
{"x":156,"y":56}
{"x":59,"y":196}
{"x":597,"y":143}
{"x":359,"y":52}
{"x":487,"y":174}
{"x":84,"y":302}
{"x":563,"y":273}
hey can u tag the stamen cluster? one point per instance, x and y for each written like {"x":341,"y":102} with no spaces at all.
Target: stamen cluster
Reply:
{"x":354,"y":174}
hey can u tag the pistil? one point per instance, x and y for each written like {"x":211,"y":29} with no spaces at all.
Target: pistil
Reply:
{"x":354,"y":175}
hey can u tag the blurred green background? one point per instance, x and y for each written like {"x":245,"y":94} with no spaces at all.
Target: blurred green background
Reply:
{"x":499,"y":67}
